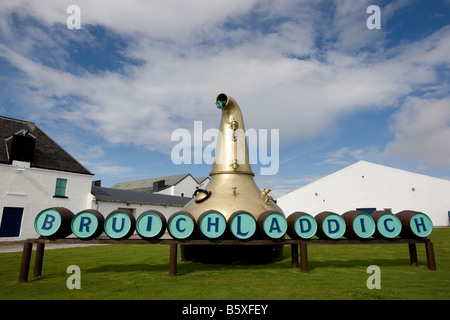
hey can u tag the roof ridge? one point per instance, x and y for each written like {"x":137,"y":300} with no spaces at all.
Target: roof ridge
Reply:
{"x":17,"y":120}
{"x":48,"y":154}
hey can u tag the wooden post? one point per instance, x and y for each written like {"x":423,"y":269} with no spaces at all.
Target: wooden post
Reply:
{"x":173,"y":260}
{"x":430,"y":255}
{"x":25,"y":264}
{"x":413,"y":254}
{"x":294,"y":255}
{"x":303,"y":257}
{"x":39,"y":259}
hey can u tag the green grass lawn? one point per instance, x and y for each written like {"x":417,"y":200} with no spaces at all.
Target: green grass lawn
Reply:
{"x":141,"y":272}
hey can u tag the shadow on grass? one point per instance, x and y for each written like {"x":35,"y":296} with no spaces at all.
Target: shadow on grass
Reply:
{"x":357,"y":263}
{"x":192,"y":267}
{"x":183,"y":267}
{"x":189,"y":267}
{"x":129,"y":268}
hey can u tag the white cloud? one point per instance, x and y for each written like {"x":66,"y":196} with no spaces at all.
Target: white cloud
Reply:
{"x":348,"y":155}
{"x":160,"y":19}
{"x":280,"y":187}
{"x":422,"y":131}
{"x":192,"y":50}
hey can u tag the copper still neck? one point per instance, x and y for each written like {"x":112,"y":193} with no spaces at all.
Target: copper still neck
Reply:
{"x":231,"y":150}
{"x":232,"y":186}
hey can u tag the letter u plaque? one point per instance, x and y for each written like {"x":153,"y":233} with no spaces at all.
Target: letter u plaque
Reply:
{"x":120,"y":224}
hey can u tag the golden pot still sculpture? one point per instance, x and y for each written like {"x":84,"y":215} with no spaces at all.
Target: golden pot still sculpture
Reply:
{"x":231,"y":189}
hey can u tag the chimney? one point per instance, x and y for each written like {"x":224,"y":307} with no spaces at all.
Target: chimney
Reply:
{"x":97,"y":183}
{"x":23,"y":147}
{"x":158,"y":185}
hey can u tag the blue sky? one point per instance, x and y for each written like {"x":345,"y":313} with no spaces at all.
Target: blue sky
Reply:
{"x":112,"y":92}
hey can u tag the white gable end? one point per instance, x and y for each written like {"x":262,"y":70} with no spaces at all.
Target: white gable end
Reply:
{"x":368,"y":185}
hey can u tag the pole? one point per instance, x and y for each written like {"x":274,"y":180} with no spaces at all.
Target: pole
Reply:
{"x":294,"y":255}
{"x":413,"y":254}
{"x":25,"y":264}
{"x":304,"y":257}
{"x":430,"y":255}
{"x":38,"y":259}
{"x":173,"y":260}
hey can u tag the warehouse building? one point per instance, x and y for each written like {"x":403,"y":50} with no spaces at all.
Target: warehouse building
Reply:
{"x":368,"y":187}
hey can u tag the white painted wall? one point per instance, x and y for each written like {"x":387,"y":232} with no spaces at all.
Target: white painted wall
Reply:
{"x":367,"y":185}
{"x":185,"y":188}
{"x":33,"y":189}
{"x":169,"y":191}
{"x":204,"y":184}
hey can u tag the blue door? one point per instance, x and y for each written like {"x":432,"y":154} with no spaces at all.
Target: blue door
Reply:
{"x":11,"y":222}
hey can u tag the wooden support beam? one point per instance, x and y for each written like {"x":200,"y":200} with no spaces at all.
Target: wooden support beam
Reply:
{"x":430,"y":256}
{"x":413,"y":254}
{"x":173,"y":260}
{"x":294,"y":255}
{"x":25,"y":264}
{"x":39,"y":259}
{"x":304,"y":257}
{"x":295,"y":244}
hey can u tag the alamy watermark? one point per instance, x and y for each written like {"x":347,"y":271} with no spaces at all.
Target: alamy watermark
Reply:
{"x":373,"y":281}
{"x":74,"y":281}
{"x":263,"y":148}
{"x":74,"y":20}
{"x":374,"y":21}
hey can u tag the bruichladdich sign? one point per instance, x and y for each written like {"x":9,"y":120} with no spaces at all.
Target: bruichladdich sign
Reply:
{"x":59,"y":222}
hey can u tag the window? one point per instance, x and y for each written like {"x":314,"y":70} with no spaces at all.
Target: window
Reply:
{"x":367,"y":210}
{"x":132,"y":210}
{"x":60,"y":188}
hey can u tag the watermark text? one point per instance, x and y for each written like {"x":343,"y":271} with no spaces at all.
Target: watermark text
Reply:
{"x":373,"y":281}
{"x":74,"y":281}
{"x":74,"y":20}
{"x":374,"y":21}
{"x":263,"y":148}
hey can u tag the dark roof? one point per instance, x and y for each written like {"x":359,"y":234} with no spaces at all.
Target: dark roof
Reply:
{"x":118,"y":195}
{"x":47,"y":155}
{"x":148,"y":183}
{"x":201,"y":179}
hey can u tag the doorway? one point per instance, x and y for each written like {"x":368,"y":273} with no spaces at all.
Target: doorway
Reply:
{"x":11,"y":222}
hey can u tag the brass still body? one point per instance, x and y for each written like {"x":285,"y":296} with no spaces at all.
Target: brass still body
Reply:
{"x":231,"y":188}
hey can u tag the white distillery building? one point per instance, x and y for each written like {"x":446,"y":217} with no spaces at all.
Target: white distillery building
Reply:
{"x":35,"y":174}
{"x":368,"y":187}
